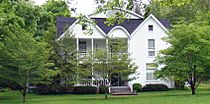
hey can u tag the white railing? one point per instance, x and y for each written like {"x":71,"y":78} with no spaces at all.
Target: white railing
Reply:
{"x":94,"y":82}
{"x":87,"y":55}
{"x":83,"y":55}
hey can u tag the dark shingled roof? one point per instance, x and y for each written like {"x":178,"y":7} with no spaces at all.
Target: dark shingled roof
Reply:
{"x":165,"y":23}
{"x":63,"y":23}
{"x":129,"y":24}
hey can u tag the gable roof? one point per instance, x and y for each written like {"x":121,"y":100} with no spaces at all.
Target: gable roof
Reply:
{"x":62,"y":23}
{"x":165,"y":23}
{"x":129,"y":24}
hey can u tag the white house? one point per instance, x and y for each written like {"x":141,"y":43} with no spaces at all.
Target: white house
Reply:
{"x":144,"y":38}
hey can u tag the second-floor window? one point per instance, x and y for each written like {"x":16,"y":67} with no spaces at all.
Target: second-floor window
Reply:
{"x":151,"y":43}
{"x":151,"y":47}
{"x":84,"y":26}
{"x":82,"y":46}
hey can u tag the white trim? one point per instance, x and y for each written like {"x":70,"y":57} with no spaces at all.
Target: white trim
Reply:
{"x":119,"y":27}
{"x":77,"y":44}
{"x":70,"y":27}
{"x":156,"y":20}
{"x":131,"y":12}
{"x":67,"y":30}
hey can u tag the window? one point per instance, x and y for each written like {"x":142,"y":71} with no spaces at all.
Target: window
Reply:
{"x":151,"y":43}
{"x":151,"y":66}
{"x":151,"y":53}
{"x":151,"y":47}
{"x":150,"y":27}
{"x":150,"y":76}
{"x":82,"y":46}
{"x":84,"y":26}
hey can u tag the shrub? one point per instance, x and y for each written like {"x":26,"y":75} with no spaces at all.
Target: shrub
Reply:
{"x":102,"y":89}
{"x":155,"y":87}
{"x":85,"y":90}
{"x":180,"y":85}
{"x":47,"y":89}
{"x":4,"y":89}
{"x":137,"y":87}
{"x":43,"y":89}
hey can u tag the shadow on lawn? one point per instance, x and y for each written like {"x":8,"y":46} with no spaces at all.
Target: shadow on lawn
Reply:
{"x":8,"y":98}
{"x":110,"y":97}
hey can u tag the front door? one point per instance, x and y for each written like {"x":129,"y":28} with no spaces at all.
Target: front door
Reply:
{"x":116,"y":80}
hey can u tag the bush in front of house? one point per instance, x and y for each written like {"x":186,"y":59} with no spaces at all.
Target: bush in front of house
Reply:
{"x":48,"y":89}
{"x":85,"y":90}
{"x":137,"y":87}
{"x":180,"y":85}
{"x":102,"y":89}
{"x":154,"y":87}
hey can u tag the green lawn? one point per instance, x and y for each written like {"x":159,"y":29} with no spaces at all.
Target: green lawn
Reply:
{"x":167,"y":97}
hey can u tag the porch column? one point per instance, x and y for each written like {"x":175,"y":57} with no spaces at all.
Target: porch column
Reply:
{"x":107,"y":50}
{"x":107,"y":45}
{"x":128,"y":42}
{"x":77,"y":44}
{"x":92,"y":58}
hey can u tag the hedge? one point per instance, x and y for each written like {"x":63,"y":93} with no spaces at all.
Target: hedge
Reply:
{"x":85,"y":90}
{"x":154,"y":87}
{"x":102,"y":89}
{"x":137,"y":87}
{"x":47,"y":90}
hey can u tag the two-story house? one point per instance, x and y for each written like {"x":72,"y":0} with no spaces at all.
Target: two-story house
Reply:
{"x":143,"y":36}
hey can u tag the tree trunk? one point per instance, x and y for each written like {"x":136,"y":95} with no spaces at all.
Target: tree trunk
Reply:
{"x":193,"y":89}
{"x":193,"y":80}
{"x":24,"y":91}
{"x":24,"y":97}
{"x":106,"y":96}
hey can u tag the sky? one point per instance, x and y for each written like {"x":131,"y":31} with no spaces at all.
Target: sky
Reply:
{"x":83,"y":6}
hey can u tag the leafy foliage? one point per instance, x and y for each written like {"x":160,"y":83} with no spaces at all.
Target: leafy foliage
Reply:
{"x":85,"y":90}
{"x":178,"y":10}
{"x":187,"y":59}
{"x":154,"y":87}
{"x":137,"y":87}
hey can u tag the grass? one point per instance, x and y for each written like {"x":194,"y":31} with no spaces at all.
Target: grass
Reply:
{"x":167,"y":97}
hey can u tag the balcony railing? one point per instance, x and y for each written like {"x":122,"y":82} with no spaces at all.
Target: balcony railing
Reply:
{"x":110,"y":55}
{"x":94,"y":82}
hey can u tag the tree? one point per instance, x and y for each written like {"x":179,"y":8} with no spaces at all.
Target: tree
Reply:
{"x":178,"y":10}
{"x":23,"y":57}
{"x":59,"y":50}
{"x":113,"y":61}
{"x":187,"y":59}
{"x":67,"y":62}
{"x":23,"y":60}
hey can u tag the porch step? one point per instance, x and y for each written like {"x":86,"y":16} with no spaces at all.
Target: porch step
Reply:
{"x":121,"y":94}
{"x":121,"y":90}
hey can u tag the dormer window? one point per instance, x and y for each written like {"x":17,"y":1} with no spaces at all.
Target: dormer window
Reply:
{"x":150,"y":27}
{"x":84,"y":26}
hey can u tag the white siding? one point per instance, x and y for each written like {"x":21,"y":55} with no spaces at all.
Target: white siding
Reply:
{"x":118,"y":32}
{"x":139,"y":49}
{"x":79,"y":33}
{"x":138,"y":45}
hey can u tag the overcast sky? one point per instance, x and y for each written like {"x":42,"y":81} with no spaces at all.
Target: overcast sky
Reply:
{"x":83,"y":6}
